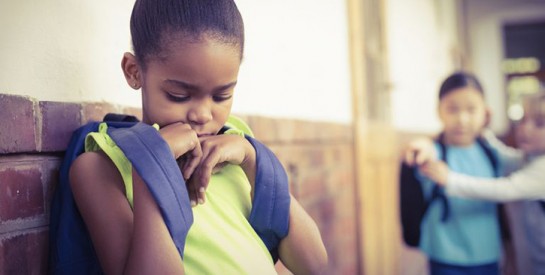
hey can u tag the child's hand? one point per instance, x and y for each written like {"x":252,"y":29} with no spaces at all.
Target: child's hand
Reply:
{"x":185,"y":146}
{"x":419,"y":151}
{"x":437,"y":171}
{"x":217,"y":151}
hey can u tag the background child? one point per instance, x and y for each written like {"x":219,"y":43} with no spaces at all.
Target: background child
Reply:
{"x":186,"y":60}
{"x":468,"y":240}
{"x":524,"y":184}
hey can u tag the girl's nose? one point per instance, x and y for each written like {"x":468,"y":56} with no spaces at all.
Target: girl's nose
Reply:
{"x":463,"y":118}
{"x":200,"y":113}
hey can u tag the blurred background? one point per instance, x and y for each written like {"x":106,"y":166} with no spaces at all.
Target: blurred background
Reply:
{"x":335,"y":88}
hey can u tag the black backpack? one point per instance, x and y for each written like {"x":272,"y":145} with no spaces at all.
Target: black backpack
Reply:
{"x":413,"y":205}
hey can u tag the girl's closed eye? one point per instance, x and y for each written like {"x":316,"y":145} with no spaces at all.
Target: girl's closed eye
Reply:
{"x":222,"y":97}
{"x":177,"y":97}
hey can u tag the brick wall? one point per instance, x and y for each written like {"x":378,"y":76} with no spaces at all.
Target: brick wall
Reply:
{"x":33,"y":134}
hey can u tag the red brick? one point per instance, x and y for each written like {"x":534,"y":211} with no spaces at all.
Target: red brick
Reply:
{"x":17,"y":124}
{"x":21,"y":193}
{"x":316,"y":156}
{"x":287,"y":130}
{"x":304,"y":131}
{"x":311,"y":187}
{"x":96,"y":111}
{"x":264,"y":129}
{"x":59,"y":120}
{"x":24,"y":254}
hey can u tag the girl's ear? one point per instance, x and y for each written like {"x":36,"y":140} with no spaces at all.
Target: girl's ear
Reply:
{"x":487,"y":117}
{"x":131,"y":70}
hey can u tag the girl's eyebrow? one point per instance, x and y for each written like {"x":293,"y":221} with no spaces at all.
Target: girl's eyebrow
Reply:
{"x":225,"y":87}
{"x":187,"y":86}
{"x":181,"y":84}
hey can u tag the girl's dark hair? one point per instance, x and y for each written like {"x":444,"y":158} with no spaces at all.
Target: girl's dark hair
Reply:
{"x":155,"y":23}
{"x":459,"y":80}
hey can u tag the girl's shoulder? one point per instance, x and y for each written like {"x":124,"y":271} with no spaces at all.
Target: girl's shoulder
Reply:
{"x":93,"y":168}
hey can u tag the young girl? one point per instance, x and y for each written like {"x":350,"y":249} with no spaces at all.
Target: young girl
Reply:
{"x":467,"y":240}
{"x":525,"y":180}
{"x":186,"y":60}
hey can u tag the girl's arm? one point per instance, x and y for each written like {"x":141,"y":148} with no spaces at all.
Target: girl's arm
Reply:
{"x":152,"y":249}
{"x":126,"y":242}
{"x":511,"y":158}
{"x":525,"y":184}
{"x":99,"y":194}
{"x":302,"y":251}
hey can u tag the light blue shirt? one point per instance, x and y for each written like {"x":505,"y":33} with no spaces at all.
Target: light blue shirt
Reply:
{"x":471,"y":235}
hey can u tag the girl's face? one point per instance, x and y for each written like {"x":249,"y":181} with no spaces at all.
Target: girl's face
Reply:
{"x":193,"y":84}
{"x":463,"y":113}
{"x":530,"y":135}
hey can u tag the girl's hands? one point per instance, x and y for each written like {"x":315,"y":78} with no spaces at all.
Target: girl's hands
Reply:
{"x":199,"y":158}
{"x":437,"y":171}
{"x":185,"y":146}
{"x":218,"y":151}
{"x":419,"y":151}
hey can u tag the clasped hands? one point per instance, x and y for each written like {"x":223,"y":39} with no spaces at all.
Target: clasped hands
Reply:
{"x":201,"y":156}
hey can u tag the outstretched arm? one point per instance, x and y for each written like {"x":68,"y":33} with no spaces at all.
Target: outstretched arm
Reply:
{"x":525,"y":184}
{"x":511,"y":159}
{"x":302,"y":251}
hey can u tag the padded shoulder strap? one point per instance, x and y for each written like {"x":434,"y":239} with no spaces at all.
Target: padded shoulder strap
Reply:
{"x":113,"y":117}
{"x":271,"y":203}
{"x":269,"y":216}
{"x":154,"y":162}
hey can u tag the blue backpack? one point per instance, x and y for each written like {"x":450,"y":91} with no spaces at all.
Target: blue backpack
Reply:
{"x":70,"y":246}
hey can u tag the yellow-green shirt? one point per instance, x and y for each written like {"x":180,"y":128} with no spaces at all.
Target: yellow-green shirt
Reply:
{"x":221,"y":240}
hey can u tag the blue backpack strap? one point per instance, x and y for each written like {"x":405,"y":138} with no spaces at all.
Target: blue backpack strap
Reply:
{"x":492,"y":156}
{"x":152,"y":158}
{"x":438,"y":192}
{"x":70,"y":247}
{"x":271,"y":203}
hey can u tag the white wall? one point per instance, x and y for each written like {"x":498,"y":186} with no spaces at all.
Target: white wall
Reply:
{"x":422,"y":42}
{"x":65,"y":50}
{"x":296,"y":62}
{"x":485,"y":19}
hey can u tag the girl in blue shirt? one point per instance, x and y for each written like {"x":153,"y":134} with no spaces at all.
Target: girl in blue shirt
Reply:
{"x":468,"y":240}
